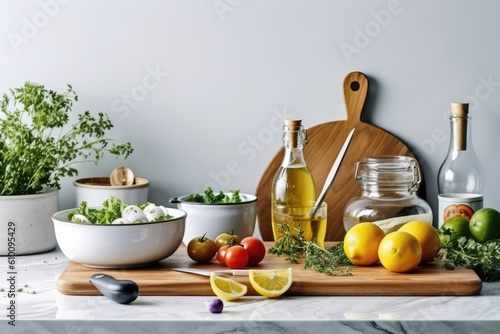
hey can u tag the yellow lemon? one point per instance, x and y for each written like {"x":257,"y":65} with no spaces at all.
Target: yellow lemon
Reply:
{"x":361,"y":243}
{"x":428,"y":237}
{"x":226,"y":288}
{"x":400,"y":252}
{"x":271,"y":283}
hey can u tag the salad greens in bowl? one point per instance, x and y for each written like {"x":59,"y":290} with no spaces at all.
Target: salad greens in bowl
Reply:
{"x":119,"y":235}
{"x":114,"y":211}
{"x":213,"y":213}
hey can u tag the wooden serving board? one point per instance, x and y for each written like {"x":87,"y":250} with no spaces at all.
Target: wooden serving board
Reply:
{"x":324,"y":142}
{"x":161,"y":280}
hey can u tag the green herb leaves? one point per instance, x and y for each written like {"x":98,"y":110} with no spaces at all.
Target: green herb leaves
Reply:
{"x":332,"y":261}
{"x":212,"y":198}
{"x":38,"y":147}
{"x":483,"y":258}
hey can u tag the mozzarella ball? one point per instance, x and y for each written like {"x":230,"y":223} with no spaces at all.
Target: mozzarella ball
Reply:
{"x":134,"y":214}
{"x":121,"y":221}
{"x":153,"y":212}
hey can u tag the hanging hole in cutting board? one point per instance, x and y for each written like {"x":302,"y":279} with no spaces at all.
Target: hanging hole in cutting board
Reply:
{"x":355,"y":86}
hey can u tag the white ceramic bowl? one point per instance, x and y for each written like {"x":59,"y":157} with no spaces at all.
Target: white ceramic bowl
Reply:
{"x":95,"y":190}
{"x":119,"y":246}
{"x":214,"y":219}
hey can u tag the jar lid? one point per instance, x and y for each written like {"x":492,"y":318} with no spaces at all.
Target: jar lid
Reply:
{"x":389,"y":171}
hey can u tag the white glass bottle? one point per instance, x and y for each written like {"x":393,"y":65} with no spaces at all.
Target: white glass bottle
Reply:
{"x":461,"y":171}
{"x":293,"y":184}
{"x":461,"y":174}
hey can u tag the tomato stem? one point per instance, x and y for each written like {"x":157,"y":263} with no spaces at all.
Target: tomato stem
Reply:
{"x":203,"y":238}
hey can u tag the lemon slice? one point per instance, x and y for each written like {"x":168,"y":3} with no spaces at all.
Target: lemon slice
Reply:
{"x":271,"y":283}
{"x":226,"y":288}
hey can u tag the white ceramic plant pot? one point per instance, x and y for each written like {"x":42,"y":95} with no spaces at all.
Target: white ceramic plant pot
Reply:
{"x":25,"y":223}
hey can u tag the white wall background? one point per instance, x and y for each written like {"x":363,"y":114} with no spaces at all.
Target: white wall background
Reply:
{"x":198,"y":85}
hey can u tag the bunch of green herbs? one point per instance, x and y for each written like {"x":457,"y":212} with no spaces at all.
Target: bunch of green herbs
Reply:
{"x":211,"y":198}
{"x":483,"y":258}
{"x":38,"y":147}
{"x":292,"y":244}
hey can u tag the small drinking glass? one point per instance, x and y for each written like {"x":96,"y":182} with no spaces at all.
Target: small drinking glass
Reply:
{"x":311,"y":219}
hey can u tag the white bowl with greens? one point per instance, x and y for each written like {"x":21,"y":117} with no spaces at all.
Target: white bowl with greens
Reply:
{"x":119,"y":235}
{"x":211,"y":214}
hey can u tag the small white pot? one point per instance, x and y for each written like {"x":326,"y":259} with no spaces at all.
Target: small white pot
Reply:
{"x":214,"y":219}
{"x":95,"y":190}
{"x":25,"y":223}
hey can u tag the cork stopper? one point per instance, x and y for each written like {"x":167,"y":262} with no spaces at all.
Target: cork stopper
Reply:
{"x":460,"y":112}
{"x":460,"y":109}
{"x":293,"y":127}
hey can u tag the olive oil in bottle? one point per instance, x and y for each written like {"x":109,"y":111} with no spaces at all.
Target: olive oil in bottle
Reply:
{"x":293,"y":191}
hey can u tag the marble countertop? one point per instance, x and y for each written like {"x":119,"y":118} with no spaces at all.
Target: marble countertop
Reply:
{"x":40,"y":308}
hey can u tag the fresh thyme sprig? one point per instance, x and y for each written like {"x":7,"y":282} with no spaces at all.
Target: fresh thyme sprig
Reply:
{"x":290,"y":244}
{"x":332,"y":261}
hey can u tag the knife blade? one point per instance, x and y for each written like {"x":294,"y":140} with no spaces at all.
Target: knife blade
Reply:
{"x":332,"y":173}
{"x":234,"y":272}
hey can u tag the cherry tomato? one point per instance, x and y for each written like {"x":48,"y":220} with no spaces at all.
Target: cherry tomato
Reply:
{"x":201,"y":249}
{"x":226,"y":238}
{"x":221,"y":254}
{"x":255,"y":249}
{"x":236,"y":257}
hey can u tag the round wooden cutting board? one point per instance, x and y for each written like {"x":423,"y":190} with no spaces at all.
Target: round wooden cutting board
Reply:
{"x":323,"y":145}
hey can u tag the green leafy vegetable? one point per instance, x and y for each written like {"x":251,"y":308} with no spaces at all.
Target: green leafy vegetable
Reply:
{"x":212,"y":198}
{"x":112,"y":209}
{"x":38,"y":147}
{"x":332,"y":261}
{"x":483,"y":258}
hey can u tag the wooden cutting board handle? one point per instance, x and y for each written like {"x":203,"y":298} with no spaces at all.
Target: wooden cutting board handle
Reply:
{"x":355,"y":92}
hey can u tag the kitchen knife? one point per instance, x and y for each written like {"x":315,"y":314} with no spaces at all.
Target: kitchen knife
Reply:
{"x":333,"y":172}
{"x":235,"y":272}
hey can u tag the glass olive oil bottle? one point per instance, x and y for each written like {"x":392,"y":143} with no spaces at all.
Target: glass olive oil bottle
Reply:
{"x":293,"y":186}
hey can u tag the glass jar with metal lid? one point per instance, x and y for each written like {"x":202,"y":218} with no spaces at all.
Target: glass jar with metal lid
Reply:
{"x":389,"y":193}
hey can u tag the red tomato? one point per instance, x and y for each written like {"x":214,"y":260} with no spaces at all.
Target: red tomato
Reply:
{"x":236,"y":257}
{"x":255,"y":249}
{"x":221,"y":254}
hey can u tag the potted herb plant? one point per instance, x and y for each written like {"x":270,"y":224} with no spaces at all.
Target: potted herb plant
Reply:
{"x":39,"y":144}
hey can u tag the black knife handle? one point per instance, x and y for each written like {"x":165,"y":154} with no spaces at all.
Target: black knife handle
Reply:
{"x":120,"y":291}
